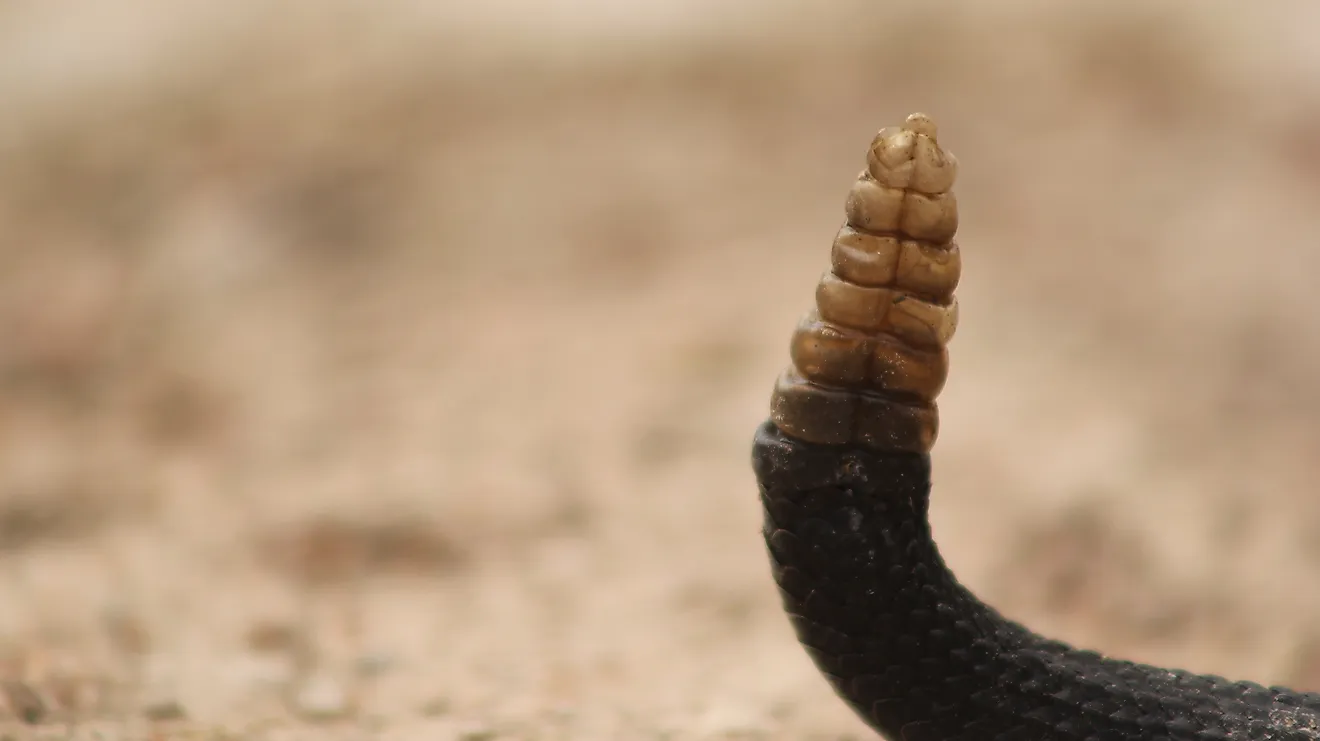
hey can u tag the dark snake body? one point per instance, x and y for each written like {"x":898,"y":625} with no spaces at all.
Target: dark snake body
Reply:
{"x":920,"y":658}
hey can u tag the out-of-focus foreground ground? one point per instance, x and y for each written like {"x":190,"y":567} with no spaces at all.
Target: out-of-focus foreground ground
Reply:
{"x":386,"y":370}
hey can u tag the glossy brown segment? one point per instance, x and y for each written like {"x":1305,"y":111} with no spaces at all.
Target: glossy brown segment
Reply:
{"x":881,"y":209}
{"x":866,"y":259}
{"x":929,"y":270}
{"x":908,"y":371}
{"x":921,"y":323}
{"x":893,"y":425}
{"x":834,"y":416}
{"x":883,"y":260}
{"x":830,"y":354}
{"x":811,"y":412}
{"x":909,"y":157}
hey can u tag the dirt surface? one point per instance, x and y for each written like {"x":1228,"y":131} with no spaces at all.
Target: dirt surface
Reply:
{"x":388,"y":370}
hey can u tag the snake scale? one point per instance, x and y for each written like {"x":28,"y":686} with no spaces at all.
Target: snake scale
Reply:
{"x":844,"y":472}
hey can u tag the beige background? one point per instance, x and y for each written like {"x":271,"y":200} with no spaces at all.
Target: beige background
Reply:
{"x":389,"y":369}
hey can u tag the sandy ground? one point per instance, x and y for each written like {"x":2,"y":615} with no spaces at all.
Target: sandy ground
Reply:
{"x":389,"y":369}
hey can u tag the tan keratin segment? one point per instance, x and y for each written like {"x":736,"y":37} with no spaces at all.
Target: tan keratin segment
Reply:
{"x":870,"y":359}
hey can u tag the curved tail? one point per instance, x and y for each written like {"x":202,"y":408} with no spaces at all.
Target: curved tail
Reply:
{"x":844,"y":471}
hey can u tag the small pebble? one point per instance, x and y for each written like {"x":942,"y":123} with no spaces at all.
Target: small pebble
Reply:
{"x":24,"y":702}
{"x":164,"y":710}
{"x":321,"y":697}
{"x":374,"y":665}
{"x":729,"y":722}
{"x":476,"y":732}
{"x":270,"y":636}
{"x":126,"y":631}
{"x":435,"y":707}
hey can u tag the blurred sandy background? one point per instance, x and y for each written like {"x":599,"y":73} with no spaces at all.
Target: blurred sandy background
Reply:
{"x":389,"y":369}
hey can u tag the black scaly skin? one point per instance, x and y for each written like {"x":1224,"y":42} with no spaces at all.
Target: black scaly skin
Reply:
{"x":920,"y":658}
